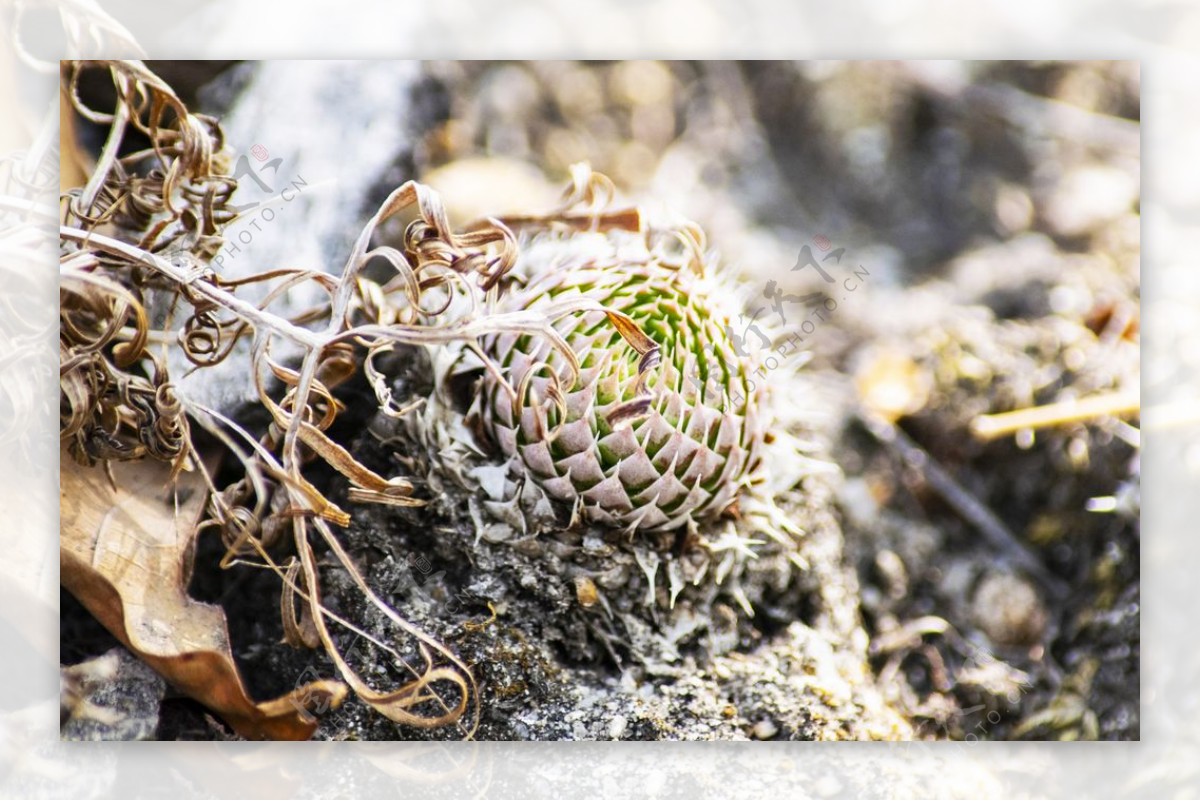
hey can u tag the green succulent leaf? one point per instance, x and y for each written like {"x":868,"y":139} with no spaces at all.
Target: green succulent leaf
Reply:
{"x":660,"y":426}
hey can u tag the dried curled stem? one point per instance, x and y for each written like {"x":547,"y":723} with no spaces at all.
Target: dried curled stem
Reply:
{"x":140,"y":237}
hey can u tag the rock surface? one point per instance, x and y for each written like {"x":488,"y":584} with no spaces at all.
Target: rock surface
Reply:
{"x":111,"y":697}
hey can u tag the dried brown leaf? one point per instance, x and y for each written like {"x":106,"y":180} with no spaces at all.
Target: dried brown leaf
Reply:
{"x":126,"y":553}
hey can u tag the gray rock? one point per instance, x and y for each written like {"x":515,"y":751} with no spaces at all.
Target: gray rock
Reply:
{"x":317,"y":144}
{"x":111,"y":697}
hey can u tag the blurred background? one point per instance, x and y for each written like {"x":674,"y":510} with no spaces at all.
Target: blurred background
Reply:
{"x":920,"y":160}
{"x":923,"y":159}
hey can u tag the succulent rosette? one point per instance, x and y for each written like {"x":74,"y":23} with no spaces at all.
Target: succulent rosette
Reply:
{"x":641,"y":439}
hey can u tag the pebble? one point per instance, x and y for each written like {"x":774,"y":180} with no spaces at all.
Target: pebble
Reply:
{"x":891,"y":569}
{"x":1089,"y":197}
{"x":585,"y":592}
{"x":1008,"y":609}
{"x":765,"y":729}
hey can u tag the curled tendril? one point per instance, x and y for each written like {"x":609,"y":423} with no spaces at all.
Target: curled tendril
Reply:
{"x":185,"y":196}
{"x":145,"y":228}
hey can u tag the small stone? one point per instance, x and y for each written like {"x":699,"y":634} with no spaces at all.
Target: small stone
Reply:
{"x":891,"y":569}
{"x":614,"y":577}
{"x":585,"y":592}
{"x":594,"y":545}
{"x":1008,"y":609}
{"x":617,"y":727}
{"x":497,"y":532}
{"x":1014,"y":209}
{"x":891,"y":384}
{"x":765,"y":729}
{"x":1090,"y":197}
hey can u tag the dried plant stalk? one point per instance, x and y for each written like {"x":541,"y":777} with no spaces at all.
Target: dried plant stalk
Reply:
{"x":141,"y":235}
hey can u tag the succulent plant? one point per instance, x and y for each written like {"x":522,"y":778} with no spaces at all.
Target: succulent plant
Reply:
{"x":648,"y":441}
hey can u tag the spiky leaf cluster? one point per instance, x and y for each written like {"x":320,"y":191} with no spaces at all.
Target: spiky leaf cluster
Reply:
{"x":634,"y":445}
